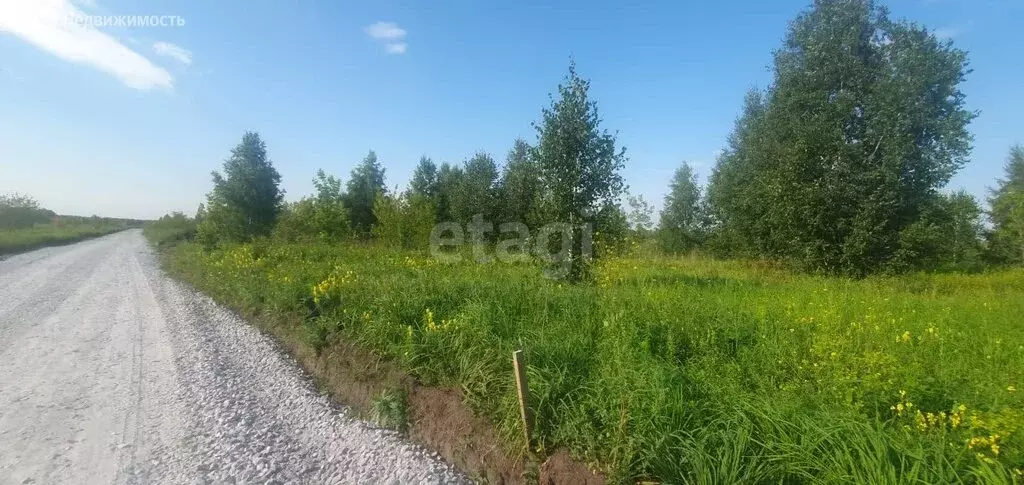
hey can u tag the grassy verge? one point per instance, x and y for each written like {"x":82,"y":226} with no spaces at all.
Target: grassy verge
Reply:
{"x":678,"y":370}
{"x":27,"y":239}
{"x":378,"y":388}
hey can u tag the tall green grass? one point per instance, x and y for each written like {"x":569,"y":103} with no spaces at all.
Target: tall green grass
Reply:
{"x":41,"y":235}
{"x":681,"y":370}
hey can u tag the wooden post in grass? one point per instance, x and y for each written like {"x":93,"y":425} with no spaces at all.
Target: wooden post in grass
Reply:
{"x":524,"y":397}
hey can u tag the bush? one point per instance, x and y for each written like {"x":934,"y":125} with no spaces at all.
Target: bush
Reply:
{"x":170,"y":229}
{"x":405,"y":221}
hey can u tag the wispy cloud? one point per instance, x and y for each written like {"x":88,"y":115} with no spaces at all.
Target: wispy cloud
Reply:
{"x":46,"y":24}
{"x":390,"y":34}
{"x":385,"y":31}
{"x":951,"y":32}
{"x":174,"y":51}
{"x":396,"y":48}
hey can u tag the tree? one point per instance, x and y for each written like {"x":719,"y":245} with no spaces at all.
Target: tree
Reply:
{"x":449,"y":183}
{"x":389,"y":226}
{"x":404,"y":221}
{"x":946,"y":236}
{"x":296,"y":221}
{"x":579,"y":165}
{"x":1007,"y":214}
{"x":420,"y":218}
{"x":519,"y":186}
{"x":640,"y":215}
{"x":321,"y":216}
{"x":330,"y":216}
{"x":681,"y":227}
{"x":18,"y":201}
{"x":863,"y":124}
{"x":200,"y":212}
{"x":245,"y":200}
{"x":20,"y":211}
{"x":476,"y":190}
{"x":366,"y":183}
{"x":961,"y":231}
{"x":735,"y":216}
{"x":424,"y":179}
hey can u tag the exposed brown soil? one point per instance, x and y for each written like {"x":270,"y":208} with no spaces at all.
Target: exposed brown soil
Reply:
{"x":438,"y":418}
{"x":560,"y":469}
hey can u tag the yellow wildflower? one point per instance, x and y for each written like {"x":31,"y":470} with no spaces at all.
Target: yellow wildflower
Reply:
{"x":429,"y":318}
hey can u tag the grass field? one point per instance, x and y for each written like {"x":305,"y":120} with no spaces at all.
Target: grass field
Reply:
{"x":681,"y":370}
{"x":41,"y":235}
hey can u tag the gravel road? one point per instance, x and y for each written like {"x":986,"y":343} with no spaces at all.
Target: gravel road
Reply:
{"x":110,"y":372}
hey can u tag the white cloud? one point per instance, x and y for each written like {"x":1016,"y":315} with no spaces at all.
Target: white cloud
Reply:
{"x":46,"y":24}
{"x":390,"y":34}
{"x":385,"y":31}
{"x":170,"y":50}
{"x":396,"y":48}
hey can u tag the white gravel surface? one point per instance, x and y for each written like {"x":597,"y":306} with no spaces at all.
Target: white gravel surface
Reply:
{"x":110,"y":372}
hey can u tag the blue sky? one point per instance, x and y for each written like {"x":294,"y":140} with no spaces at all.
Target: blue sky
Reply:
{"x":129,"y":121}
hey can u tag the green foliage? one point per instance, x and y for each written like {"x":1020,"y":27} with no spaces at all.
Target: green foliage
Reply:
{"x":520,"y":186}
{"x":449,"y":186}
{"x":19,"y":211}
{"x":425,"y":179}
{"x":964,"y":231}
{"x":245,"y":199}
{"x":404,"y":221}
{"x":389,"y":229}
{"x":476,"y":190}
{"x":834,"y":167}
{"x":579,"y":165}
{"x":733,"y":197}
{"x":365,"y":185}
{"x":297,"y":221}
{"x":331,"y":217}
{"x":682,"y":224}
{"x":389,"y":409}
{"x":170,"y":229}
{"x":640,"y":214}
{"x":682,"y":370}
{"x":1007,"y":213}
{"x":322,"y":216}
{"x":948,"y":236}
{"x":459,"y":193}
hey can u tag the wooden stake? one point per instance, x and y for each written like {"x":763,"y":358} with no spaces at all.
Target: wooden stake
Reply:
{"x":524,"y":396}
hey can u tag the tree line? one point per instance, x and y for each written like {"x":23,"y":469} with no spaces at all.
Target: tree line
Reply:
{"x":21,"y":211}
{"x":837,"y":167}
